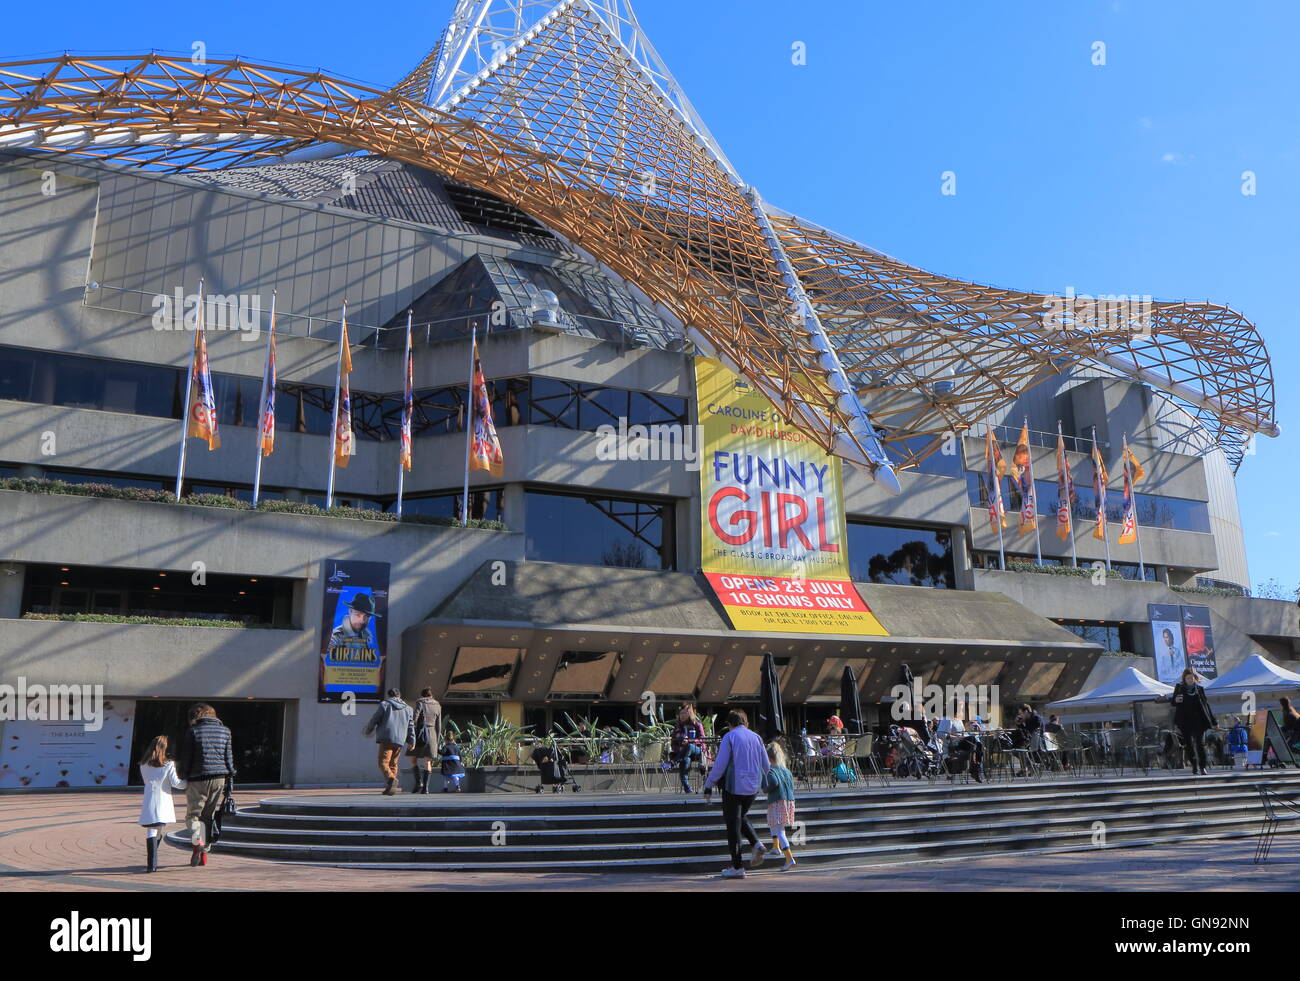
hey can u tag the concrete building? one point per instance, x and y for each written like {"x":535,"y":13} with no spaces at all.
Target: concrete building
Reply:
{"x":591,"y":595}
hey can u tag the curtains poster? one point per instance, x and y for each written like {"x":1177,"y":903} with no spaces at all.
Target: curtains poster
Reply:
{"x":1167,"y":636}
{"x":773,"y":537}
{"x":354,"y":630}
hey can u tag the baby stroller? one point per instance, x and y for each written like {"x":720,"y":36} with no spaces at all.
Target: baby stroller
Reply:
{"x":913,"y":757}
{"x":553,"y":769}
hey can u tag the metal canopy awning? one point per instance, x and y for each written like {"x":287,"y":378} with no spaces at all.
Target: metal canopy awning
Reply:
{"x":543,"y":609}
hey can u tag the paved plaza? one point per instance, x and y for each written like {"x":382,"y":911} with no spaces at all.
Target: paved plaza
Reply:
{"x":74,"y":842}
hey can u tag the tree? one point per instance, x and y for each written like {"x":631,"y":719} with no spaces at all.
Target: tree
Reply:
{"x":1275,"y":590}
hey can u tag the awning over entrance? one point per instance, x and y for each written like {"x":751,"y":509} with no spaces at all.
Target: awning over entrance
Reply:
{"x":535,"y":631}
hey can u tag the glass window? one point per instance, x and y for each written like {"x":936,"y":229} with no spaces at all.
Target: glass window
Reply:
{"x":553,"y":403}
{"x":900,"y":554}
{"x":647,"y":410}
{"x":485,"y":505}
{"x":589,"y":530}
{"x":601,"y":407}
{"x":585,"y":674}
{"x":483,"y":670}
{"x":265,"y":600}
{"x":18,"y":374}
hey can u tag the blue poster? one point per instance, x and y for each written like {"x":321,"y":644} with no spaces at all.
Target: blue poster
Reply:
{"x":354,"y":630}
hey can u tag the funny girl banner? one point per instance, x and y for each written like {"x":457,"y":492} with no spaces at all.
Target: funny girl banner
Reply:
{"x":773,"y":539}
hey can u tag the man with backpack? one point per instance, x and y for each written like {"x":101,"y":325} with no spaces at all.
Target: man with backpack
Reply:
{"x":394,"y":727}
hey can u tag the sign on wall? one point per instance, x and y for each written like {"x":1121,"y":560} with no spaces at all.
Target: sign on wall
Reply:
{"x":1198,"y":641}
{"x":41,"y":754}
{"x":773,"y":539}
{"x":1167,"y":636}
{"x":354,"y":630}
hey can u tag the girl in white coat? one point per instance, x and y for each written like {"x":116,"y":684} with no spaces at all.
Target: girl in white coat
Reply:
{"x":160,"y":780}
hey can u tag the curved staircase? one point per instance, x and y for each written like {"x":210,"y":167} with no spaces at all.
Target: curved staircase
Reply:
{"x":904,"y":822}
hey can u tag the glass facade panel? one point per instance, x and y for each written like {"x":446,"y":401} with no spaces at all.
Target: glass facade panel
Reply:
{"x":1152,"y":511}
{"x":899,"y":554}
{"x":585,"y":674}
{"x":480,"y":671}
{"x":258,"y":600}
{"x":589,"y":530}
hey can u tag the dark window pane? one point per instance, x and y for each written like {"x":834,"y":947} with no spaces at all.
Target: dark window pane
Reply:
{"x":599,"y":531}
{"x":905,"y":556}
{"x":646,"y":410}
{"x":553,"y":403}
{"x":601,"y":407}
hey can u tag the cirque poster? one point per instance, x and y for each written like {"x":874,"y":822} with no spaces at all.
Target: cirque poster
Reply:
{"x":1167,"y":638}
{"x":43,"y":754}
{"x":773,"y":535}
{"x":354,"y":630}
{"x":1198,"y":641}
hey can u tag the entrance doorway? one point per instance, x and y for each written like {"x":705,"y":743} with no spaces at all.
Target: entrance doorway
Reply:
{"x":256,"y":730}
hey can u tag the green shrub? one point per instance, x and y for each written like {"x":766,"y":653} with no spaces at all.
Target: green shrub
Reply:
{"x":216,"y":501}
{"x":36,"y":485}
{"x":1205,"y":590}
{"x":1059,"y":570}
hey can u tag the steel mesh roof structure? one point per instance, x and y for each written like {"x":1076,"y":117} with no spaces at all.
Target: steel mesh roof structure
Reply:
{"x":564,"y":110}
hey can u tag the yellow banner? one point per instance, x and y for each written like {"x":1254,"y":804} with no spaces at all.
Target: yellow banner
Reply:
{"x":773,"y":537}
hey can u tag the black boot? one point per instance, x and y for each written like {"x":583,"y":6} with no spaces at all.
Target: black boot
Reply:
{"x":428,"y":779}
{"x":418,"y":773}
{"x":151,"y":845}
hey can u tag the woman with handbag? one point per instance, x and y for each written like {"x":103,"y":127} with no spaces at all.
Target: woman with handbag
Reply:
{"x":158,"y":810}
{"x":428,"y":730}
{"x":1192,"y":717}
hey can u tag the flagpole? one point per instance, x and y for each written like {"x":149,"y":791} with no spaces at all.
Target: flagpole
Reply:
{"x":999,"y":509}
{"x":1069,"y":500}
{"x":1137,"y":525}
{"x":406,"y":361}
{"x":1101,"y":506}
{"x":469,"y":427}
{"x":189,"y":386}
{"x":1033,"y":489}
{"x":334,"y":430}
{"x":261,"y":405}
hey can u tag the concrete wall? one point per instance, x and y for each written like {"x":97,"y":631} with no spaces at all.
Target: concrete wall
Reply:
{"x":1234,"y":619}
{"x":211,"y":662}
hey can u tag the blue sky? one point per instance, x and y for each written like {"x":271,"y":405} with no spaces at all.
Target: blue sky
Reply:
{"x":1121,"y":178}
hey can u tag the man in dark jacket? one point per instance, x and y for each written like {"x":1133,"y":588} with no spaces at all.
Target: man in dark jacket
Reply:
{"x":206,"y":762}
{"x":394,"y":727}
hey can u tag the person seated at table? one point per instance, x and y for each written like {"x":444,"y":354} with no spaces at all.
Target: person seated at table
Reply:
{"x":950,"y":727}
{"x":1031,"y":724}
{"x":834,"y":737}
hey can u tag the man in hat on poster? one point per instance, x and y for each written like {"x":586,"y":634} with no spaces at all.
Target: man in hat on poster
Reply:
{"x":356,"y":625}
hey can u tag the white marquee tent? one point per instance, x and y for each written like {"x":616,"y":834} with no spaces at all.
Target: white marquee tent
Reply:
{"x":1111,"y":699}
{"x":1256,"y":673}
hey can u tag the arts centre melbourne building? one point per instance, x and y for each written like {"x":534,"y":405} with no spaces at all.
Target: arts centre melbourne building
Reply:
{"x":812,"y":482}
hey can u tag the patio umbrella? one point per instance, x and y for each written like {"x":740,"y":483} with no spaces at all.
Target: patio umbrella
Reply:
{"x":771,"y":721}
{"x":850,"y":704}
